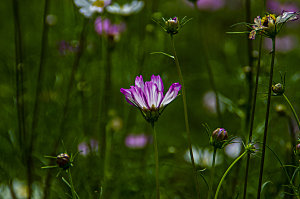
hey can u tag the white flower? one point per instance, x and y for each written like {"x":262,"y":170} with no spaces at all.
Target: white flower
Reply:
{"x":126,"y":9}
{"x":89,"y":7}
{"x":233,"y":150}
{"x":202,"y":157}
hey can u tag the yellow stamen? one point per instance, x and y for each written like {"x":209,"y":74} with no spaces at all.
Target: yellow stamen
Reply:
{"x":98,"y":3}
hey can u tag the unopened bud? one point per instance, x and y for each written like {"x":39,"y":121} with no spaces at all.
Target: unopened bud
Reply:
{"x":278,"y":89}
{"x":172,"y":25}
{"x":63,"y":161}
{"x":218,"y":138}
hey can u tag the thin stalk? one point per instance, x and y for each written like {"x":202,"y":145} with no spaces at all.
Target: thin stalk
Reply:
{"x":66,"y":102}
{"x":38,"y":89}
{"x":227,"y":171}
{"x":212,"y":174}
{"x":186,"y":116}
{"x":105,"y":105}
{"x":293,"y":110}
{"x":71,"y":184}
{"x":250,"y":64}
{"x":266,"y":121}
{"x":19,"y":73}
{"x":156,"y":162}
{"x":252,"y":117}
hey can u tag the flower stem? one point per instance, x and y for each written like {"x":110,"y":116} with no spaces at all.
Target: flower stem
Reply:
{"x":71,"y":184}
{"x":156,"y":162}
{"x":75,"y":66}
{"x":293,"y":110}
{"x":266,"y":121}
{"x":252,"y":117}
{"x":212,"y":174}
{"x":186,"y":116}
{"x":227,"y":171}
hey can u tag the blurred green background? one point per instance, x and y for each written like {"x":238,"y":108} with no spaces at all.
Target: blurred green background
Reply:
{"x":96,"y":108}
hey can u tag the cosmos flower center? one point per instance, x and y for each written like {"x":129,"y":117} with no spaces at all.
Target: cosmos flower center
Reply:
{"x":268,"y":18}
{"x":99,"y":3}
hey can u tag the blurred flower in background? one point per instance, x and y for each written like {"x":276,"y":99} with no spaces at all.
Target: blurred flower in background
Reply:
{"x":137,"y":141}
{"x":283,"y":44}
{"x":203,"y":157}
{"x":277,"y":7}
{"x":66,"y":47}
{"x":106,"y":28}
{"x":84,"y":148}
{"x":210,"y":4}
{"x":126,"y":9}
{"x":233,"y":150}
{"x":89,"y":7}
{"x":209,"y":102}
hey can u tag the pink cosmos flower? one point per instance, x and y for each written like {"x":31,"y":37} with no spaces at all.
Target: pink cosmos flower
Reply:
{"x":136,"y":141}
{"x":149,"y":96}
{"x":105,"y":27}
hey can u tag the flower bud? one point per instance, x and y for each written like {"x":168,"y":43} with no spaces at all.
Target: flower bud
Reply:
{"x":172,"y":26}
{"x":278,"y":89}
{"x":218,"y":138}
{"x":63,"y":161}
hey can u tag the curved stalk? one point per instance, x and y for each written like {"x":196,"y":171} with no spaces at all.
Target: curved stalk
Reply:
{"x":252,"y":117}
{"x":293,"y":110}
{"x":186,"y":116}
{"x":212,"y":174}
{"x":156,"y":162}
{"x":227,"y":171}
{"x":266,"y":121}
{"x":71,"y":184}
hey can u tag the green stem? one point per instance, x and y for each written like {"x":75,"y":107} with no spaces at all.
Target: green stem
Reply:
{"x":227,"y":171}
{"x":266,"y":120}
{"x":186,"y":116}
{"x":252,"y":117}
{"x":293,"y":110}
{"x":71,"y":183}
{"x":212,"y":174}
{"x":156,"y":162}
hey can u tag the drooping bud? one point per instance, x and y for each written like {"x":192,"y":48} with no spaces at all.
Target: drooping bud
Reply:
{"x":172,"y":26}
{"x":218,"y":138}
{"x":63,"y":161}
{"x":278,"y":89}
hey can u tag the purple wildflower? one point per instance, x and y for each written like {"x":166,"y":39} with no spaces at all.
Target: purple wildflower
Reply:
{"x":283,"y":44}
{"x":277,"y":7}
{"x":149,"y":96}
{"x":105,"y":27}
{"x":66,"y":47}
{"x":84,"y":147}
{"x":210,"y":4}
{"x":136,"y":141}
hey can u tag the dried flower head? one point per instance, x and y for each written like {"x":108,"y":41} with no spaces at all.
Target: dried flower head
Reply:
{"x":149,"y":96}
{"x":270,"y":25}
